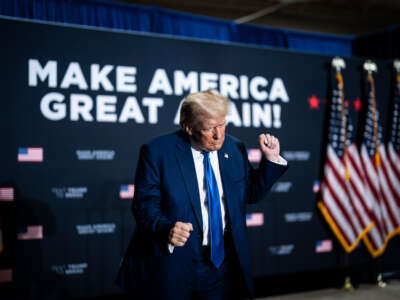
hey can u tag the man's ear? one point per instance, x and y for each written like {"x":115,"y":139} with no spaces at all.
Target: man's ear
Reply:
{"x":188,"y":129}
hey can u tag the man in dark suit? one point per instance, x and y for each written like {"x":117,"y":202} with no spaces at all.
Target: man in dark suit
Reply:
{"x":191,"y":190}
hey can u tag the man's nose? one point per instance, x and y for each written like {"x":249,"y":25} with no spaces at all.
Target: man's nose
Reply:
{"x":217,"y":133}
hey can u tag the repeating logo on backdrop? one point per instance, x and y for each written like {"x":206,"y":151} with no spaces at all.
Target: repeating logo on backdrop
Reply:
{"x":281,"y":187}
{"x":296,"y":155}
{"x":305,"y":216}
{"x":70,"y":269}
{"x":70,"y":192}
{"x":281,"y":249}
{"x":95,"y":154}
{"x":101,"y":228}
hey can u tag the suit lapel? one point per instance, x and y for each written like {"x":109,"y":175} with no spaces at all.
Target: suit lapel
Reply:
{"x":186,"y":164}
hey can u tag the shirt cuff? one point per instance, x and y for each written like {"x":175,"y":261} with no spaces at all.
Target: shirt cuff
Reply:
{"x":171,"y":248}
{"x":280,"y":161}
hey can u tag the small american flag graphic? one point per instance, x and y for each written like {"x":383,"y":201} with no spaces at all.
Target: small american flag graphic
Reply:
{"x":127,"y":191}
{"x":1,"y":240}
{"x":254,"y":219}
{"x":254,"y":155}
{"x":30,"y":154}
{"x":316,"y":186}
{"x":323,"y":246}
{"x":6,"y":275}
{"x":6,"y":194}
{"x":34,"y":232}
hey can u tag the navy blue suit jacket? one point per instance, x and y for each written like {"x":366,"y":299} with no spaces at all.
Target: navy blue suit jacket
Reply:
{"x":166,"y":191}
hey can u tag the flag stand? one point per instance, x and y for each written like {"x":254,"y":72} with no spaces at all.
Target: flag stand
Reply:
{"x":379,"y":278}
{"x":347,"y":286}
{"x":379,"y":281}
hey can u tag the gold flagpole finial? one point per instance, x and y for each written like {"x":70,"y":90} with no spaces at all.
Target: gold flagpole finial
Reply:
{"x":338,"y":63}
{"x":370,"y":67}
{"x":396,"y":65}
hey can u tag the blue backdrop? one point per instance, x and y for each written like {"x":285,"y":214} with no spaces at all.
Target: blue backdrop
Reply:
{"x":153,"y":19}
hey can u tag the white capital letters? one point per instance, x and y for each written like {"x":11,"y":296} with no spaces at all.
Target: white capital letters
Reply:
{"x":278,"y":90}
{"x":254,"y":90}
{"x":153,"y":104}
{"x":131,"y":110}
{"x":182,"y":83}
{"x":126,"y":79}
{"x":105,"y":108}
{"x":208,"y":81}
{"x":160,"y":82}
{"x":229,"y":86}
{"x":49,"y":71}
{"x":99,"y":77}
{"x":81,"y":105}
{"x":58,"y":111}
{"x":261,"y":115}
{"x":74,"y":75}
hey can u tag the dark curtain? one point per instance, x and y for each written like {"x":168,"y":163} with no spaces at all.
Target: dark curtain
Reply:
{"x":115,"y":15}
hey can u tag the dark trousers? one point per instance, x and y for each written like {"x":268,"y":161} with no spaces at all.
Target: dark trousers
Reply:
{"x":210,"y":283}
{"x":200,"y":279}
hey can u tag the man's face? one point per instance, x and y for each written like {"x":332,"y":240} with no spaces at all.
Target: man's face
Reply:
{"x":209,"y":134}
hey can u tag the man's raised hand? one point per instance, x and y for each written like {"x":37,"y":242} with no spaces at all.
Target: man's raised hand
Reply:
{"x":269,"y":145}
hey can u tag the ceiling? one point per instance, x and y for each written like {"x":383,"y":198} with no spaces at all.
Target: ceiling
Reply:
{"x":347,"y":17}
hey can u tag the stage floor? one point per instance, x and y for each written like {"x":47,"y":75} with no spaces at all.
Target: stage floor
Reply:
{"x":363,"y":292}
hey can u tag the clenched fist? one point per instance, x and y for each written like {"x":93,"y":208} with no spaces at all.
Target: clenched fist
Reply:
{"x":269,"y":145}
{"x":180,"y":233}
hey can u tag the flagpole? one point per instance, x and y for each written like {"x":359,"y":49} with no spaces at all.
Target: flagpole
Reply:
{"x":371,"y":67}
{"x":338,"y":63}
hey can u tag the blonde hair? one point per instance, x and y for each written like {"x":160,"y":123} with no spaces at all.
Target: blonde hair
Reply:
{"x":202,"y":105}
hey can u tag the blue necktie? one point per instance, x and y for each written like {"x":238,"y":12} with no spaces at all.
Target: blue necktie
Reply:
{"x":214,"y":213}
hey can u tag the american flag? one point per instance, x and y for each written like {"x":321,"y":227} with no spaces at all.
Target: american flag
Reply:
{"x":33,"y":232}
{"x":30,"y":154}
{"x":342,"y":188}
{"x":254,"y":155}
{"x":6,"y":194}
{"x":382,"y":184}
{"x":323,"y":246}
{"x":127,"y":191}
{"x":393,"y":148}
{"x":254,"y":219}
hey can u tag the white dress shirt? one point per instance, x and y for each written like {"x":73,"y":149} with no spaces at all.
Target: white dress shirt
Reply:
{"x":198,"y":158}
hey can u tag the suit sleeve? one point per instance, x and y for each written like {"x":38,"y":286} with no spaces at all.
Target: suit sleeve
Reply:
{"x":146,"y":205}
{"x":260,"y":180}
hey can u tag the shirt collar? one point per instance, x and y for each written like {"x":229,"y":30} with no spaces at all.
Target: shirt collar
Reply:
{"x":198,"y":153}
